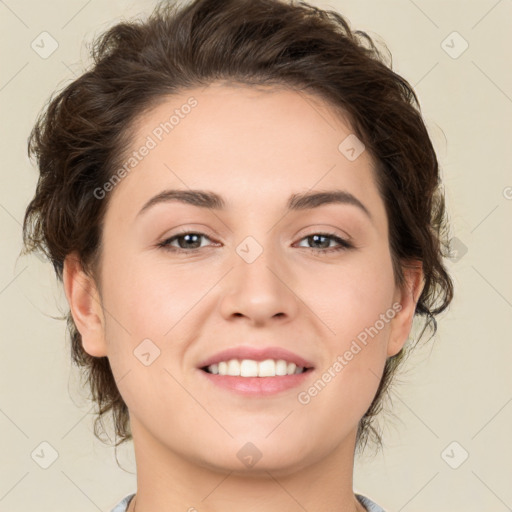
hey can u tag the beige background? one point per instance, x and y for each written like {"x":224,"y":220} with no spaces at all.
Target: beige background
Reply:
{"x":458,"y":388}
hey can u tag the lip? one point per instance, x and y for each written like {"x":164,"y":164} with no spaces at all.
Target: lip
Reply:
{"x":257,"y":386}
{"x":256,"y":354}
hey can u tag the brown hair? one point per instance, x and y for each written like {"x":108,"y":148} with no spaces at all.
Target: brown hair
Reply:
{"x":79,"y":138}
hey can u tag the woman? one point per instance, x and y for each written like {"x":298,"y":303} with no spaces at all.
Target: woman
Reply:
{"x":243,"y":203}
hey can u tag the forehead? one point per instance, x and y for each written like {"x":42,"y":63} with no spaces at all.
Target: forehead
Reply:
{"x":276,"y":117}
{"x":248,"y":144}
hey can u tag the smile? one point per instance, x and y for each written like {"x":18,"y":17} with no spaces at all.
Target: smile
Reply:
{"x":252,"y":368}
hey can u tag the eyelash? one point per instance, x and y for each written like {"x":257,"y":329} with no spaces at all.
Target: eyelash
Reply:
{"x":343,"y":244}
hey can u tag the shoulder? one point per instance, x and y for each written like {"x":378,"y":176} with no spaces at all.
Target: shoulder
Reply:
{"x":367,"y":503}
{"x":123,"y":504}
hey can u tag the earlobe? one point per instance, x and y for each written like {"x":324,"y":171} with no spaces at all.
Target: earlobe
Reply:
{"x":84,"y":302}
{"x":408,"y":296}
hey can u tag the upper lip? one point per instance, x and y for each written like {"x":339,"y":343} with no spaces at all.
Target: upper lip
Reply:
{"x":256,"y":354}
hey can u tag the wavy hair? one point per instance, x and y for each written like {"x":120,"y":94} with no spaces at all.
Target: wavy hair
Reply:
{"x":79,"y":138}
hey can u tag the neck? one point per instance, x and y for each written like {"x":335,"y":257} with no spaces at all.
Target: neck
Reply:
{"x":168,"y":481}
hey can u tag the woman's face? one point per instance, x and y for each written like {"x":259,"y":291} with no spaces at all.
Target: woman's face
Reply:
{"x":250,"y":275}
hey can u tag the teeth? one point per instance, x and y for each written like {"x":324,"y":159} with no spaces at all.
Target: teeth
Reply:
{"x":251,"y":368}
{"x":233,"y":367}
{"x":266,"y":368}
{"x":281,"y":367}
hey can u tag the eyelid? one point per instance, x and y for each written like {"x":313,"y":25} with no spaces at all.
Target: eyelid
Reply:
{"x":325,"y":229}
{"x":343,"y":243}
{"x":189,"y":228}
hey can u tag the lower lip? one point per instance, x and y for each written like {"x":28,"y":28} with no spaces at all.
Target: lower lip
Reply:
{"x":258,"y":386}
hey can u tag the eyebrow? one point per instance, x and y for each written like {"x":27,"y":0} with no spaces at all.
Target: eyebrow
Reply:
{"x":296,"y":202}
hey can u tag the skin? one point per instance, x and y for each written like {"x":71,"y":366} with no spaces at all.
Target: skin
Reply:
{"x":255,"y":147}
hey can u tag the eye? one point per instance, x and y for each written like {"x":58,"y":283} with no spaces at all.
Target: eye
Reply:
{"x":189,"y":244}
{"x":318,"y":238}
{"x":190,"y":241}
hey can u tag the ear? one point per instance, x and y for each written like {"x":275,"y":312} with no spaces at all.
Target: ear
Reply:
{"x":407,"y":296}
{"x":85,"y":305}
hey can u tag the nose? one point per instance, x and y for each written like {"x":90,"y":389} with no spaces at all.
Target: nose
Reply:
{"x":259,"y":291}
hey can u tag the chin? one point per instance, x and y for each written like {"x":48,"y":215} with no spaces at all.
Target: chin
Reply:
{"x":258,"y":458}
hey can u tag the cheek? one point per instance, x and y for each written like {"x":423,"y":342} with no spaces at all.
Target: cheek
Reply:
{"x":355,"y":303}
{"x":150,"y":298}
{"x":152,"y":317}
{"x":349,"y":376}
{"x":350,"y":296}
